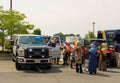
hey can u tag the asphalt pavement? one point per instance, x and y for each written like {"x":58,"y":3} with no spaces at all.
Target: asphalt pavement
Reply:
{"x":58,"y":74}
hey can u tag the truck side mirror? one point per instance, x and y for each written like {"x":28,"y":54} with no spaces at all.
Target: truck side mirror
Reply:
{"x":49,"y":44}
{"x":11,"y":42}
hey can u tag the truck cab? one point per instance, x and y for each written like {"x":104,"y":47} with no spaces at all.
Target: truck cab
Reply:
{"x":30,"y":51}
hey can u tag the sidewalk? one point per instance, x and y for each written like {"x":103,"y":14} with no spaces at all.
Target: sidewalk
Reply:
{"x":6,"y":58}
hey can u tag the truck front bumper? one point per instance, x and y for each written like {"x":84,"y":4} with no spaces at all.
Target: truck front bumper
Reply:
{"x":23,"y":60}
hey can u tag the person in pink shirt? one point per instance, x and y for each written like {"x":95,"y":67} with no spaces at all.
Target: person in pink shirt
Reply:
{"x":66,"y":57}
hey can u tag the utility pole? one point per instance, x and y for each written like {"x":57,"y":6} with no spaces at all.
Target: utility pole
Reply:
{"x":93,"y":27}
{"x":10,"y":4}
{"x":11,"y":22}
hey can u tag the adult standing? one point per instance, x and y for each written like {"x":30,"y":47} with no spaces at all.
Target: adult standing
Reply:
{"x":72,"y":54}
{"x":78,"y":60}
{"x":103,"y":58}
{"x":117,"y":53}
{"x":66,"y":56}
{"x":83,"y":52}
{"x":92,"y":68}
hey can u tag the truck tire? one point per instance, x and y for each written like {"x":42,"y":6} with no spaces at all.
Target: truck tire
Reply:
{"x":13,"y":59}
{"x":17,"y":65}
{"x":48,"y":67}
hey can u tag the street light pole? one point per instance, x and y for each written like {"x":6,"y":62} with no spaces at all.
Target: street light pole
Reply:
{"x":10,"y":4}
{"x":11,"y":22}
{"x":93,"y":28}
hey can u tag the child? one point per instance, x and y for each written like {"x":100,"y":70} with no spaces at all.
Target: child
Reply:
{"x":86,"y":65}
{"x":78,"y":60}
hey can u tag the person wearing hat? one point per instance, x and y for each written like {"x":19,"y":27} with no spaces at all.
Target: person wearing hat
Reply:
{"x":103,"y":58}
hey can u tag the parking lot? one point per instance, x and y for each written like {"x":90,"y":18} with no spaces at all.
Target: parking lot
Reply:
{"x":58,"y":74}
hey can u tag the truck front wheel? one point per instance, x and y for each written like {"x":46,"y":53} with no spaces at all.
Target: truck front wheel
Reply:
{"x":17,"y":65}
{"x":49,"y":67}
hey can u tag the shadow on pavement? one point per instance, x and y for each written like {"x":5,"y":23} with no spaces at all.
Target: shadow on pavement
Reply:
{"x":54,"y":69}
{"x":101,"y":74}
{"x":112,"y":71}
{"x":62,"y":66}
{"x":98,"y":73}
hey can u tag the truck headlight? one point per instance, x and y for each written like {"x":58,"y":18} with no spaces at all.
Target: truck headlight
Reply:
{"x":30,"y":50}
{"x":21,"y":52}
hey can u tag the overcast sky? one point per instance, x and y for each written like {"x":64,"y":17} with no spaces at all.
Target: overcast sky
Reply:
{"x":69,"y":16}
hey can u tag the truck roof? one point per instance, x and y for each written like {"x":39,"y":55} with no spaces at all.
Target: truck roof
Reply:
{"x":15,"y":36}
{"x":25,"y":35}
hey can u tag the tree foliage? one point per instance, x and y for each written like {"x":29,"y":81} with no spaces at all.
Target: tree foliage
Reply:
{"x":3,"y":28}
{"x":12,"y":22}
{"x":90,"y":35}
{"x":16,"y":23}
{"x":37,"y":32}
{"x":63,"y":36}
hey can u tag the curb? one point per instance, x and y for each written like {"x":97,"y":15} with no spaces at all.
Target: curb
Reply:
{"x":5,"y":59}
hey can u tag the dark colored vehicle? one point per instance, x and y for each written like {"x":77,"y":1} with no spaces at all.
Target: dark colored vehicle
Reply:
{"x":110,"y":36}
{"x":98,"y":42}
{"x":30,"y":51}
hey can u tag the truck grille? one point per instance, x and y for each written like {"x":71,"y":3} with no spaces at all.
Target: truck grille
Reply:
{"x":36,"y":53}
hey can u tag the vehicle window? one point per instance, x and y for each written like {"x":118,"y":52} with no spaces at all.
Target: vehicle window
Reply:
{"x":31,"y":39}
{"x":46,"y":39}
{"x":98,"y":42}
{"x":54,"y":42}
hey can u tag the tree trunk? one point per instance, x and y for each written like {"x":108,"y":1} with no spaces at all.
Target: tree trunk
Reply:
{"x":3,"y":40}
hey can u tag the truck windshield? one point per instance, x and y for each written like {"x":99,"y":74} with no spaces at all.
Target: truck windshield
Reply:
{"x":31,"y":40}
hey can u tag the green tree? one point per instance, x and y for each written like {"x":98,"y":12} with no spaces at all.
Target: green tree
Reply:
{"x":3,"y":28}
{"x":78,"y":35}
{"x":37,"y":32}
{"x":12,"y":22}
{"x":71,"y":34}
{"x":62,"y":36}
{"x":16,"y":24}
{"x":90,"y":35}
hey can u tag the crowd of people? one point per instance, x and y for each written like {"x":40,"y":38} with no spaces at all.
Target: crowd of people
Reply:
{"x":91,"y":56}
{"x":78,"y":54}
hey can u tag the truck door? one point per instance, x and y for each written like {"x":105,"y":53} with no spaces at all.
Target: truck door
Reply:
{"x":55,"y":43}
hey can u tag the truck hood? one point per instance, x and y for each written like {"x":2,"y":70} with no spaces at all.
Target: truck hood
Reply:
{"x":33,"y":46}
